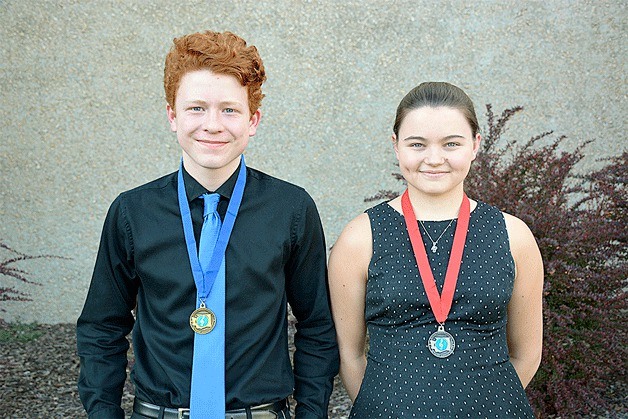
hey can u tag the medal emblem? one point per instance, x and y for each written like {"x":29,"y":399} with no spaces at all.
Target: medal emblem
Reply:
{"x":441,"y":344}
{"x":202,"y":320}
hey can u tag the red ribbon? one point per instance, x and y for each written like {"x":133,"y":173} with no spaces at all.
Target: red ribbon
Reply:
{"x":440,"y":304}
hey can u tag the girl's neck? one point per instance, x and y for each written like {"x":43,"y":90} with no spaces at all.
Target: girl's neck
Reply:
{"x":429,"y":207}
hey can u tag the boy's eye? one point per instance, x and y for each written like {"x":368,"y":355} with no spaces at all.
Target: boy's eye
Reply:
{"x":229,"y":110}
{"x":196,"y":108}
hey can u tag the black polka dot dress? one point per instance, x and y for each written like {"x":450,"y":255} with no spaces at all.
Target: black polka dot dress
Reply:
{"x":403,"y":379}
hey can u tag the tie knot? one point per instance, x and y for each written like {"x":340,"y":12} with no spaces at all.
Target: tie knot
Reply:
{"x":211,"y":203}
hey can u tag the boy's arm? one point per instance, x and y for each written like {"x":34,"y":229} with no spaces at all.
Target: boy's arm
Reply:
{"x":106,"y":320}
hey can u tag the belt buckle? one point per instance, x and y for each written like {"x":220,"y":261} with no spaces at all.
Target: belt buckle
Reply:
{"x":181,"y":411}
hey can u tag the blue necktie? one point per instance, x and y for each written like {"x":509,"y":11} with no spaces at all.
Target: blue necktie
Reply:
{"x":207,"y":400}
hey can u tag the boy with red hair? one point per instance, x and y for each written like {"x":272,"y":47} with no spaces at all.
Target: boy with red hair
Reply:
{"x":273,"y":253}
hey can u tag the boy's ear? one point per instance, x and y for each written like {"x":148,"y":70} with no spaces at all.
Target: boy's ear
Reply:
{"x":172,"y":118}
{"x":254,"y":122}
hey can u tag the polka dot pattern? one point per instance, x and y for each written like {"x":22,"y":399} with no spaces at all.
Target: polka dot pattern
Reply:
{"x":403,"y":379}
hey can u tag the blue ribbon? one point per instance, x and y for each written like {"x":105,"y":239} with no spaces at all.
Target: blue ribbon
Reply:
{"x":204,"y":280}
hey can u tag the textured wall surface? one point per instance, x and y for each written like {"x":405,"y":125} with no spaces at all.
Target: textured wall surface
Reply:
{"x":83,"y":109}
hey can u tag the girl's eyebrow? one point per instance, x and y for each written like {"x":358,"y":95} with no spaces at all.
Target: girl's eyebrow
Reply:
{"x":418,"y":137}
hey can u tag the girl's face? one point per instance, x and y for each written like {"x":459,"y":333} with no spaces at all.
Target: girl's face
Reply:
{"x":435,"y":149}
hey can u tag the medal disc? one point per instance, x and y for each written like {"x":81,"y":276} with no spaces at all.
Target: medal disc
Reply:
{"x":202,"y":320}
{"x":441,"y":344}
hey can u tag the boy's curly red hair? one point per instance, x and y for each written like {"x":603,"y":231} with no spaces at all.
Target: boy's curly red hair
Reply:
{"x":221,"y":53}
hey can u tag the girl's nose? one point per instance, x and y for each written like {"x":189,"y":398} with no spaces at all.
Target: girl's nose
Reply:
{"x":434,"y":156}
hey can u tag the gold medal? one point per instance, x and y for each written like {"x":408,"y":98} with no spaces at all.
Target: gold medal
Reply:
{"x":202,"y":320}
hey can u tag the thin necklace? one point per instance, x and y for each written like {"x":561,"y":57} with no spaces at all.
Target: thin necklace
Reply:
{"x":434,"y":247}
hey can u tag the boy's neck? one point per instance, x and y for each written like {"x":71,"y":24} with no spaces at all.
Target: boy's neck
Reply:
{"x":211,"y":179}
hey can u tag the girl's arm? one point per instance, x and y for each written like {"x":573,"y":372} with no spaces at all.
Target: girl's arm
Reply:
{"x":348,"y":269}
{"x":525,"y":310}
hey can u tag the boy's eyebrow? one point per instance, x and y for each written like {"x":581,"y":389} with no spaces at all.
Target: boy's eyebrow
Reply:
{"x":231,"y":102}
{"x":223,"y":103}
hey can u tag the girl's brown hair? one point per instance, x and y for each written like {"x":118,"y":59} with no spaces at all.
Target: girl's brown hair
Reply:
{"x":435,"y":94}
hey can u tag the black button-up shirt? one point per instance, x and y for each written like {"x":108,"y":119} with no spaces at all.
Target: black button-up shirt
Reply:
{"x":276,"y":254}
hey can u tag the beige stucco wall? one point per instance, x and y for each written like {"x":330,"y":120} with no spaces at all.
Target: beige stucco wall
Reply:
{"x":82,"y":110}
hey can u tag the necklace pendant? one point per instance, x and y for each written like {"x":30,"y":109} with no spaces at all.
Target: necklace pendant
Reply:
{"x":434,"y":248}
{"x":441,"y":344}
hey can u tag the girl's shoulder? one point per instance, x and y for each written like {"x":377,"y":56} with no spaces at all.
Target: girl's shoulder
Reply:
{"x":519,"y":234}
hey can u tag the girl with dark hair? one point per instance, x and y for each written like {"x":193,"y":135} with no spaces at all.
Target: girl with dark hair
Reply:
{"x":448,"y":288}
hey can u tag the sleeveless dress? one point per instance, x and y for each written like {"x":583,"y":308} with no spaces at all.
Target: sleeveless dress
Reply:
{"x":403,"y":379}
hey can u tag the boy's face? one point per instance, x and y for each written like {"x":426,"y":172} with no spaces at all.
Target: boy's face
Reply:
{"x":213,"y":122}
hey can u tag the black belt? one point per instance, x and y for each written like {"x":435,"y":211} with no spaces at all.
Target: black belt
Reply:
{"x":263,"y":411}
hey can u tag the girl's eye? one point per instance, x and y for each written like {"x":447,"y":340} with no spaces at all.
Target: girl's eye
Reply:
{"x":452,"y":144}
{"x":416,"y":145}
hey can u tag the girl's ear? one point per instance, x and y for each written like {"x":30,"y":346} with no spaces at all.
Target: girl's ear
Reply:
{"x":393,"y":138}
{"x":476,"y":145}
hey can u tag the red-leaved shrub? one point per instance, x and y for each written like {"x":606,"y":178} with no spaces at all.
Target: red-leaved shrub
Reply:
{"x":580,"y":225}
{"x":9,"y":270}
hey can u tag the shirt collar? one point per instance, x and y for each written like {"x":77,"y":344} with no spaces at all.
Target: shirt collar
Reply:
{"x":193,"y":189}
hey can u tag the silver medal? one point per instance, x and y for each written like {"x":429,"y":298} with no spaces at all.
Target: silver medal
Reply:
{"x":441,"y":344}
